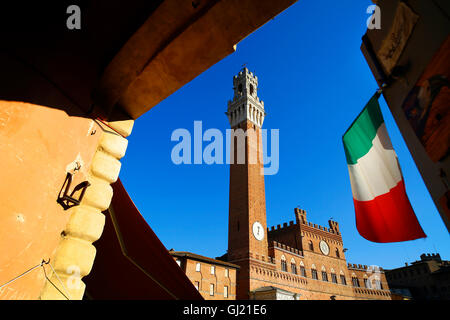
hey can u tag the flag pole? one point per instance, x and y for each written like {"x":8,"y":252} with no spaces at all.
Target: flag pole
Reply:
{"x":380,"y":89}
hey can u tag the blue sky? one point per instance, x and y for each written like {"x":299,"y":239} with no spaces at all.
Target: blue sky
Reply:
{"x":314,"y":81}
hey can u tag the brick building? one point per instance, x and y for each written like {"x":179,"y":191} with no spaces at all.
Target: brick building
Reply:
{"x":426,"y":279}
{"x":298,"y":260}
{"x":214,"y":279}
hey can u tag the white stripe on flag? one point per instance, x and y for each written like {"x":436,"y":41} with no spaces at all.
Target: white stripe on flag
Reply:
{"x":377,"y":171}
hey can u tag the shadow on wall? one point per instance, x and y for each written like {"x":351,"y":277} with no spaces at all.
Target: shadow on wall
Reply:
{"x":44,"y":63}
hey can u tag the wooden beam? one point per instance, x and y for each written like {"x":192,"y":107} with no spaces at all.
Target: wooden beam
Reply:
{"x":177,"y":43}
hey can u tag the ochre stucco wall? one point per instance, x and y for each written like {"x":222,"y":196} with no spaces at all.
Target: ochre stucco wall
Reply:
{"x":38,"y":146}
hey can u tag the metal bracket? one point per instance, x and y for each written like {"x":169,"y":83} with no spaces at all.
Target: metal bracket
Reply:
{"x":68,"y":201}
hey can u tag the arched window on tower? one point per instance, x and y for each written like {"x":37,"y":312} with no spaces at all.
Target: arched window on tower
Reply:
{"x":251,"y":89}
{"x":337,"y":253}
{"x":283,"y":263}
{"x":311,"y":246}
{"x":293,"y":266}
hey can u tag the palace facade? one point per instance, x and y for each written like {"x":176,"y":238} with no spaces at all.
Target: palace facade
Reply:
{"x":297,"y":260}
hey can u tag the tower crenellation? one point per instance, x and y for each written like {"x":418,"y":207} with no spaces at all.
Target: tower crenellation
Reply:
{"x":334,"y":226}
{"x":300,"y":216}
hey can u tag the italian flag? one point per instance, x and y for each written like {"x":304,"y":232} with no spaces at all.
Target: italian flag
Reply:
{"x":383,"y":211}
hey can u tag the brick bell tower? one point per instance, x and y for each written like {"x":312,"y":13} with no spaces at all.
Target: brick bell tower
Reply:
{"x":247,"y":226}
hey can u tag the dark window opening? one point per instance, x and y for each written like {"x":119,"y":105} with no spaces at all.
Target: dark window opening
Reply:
{"x":283,"y":265}
{"x":378,"y":285}
{"x":333,"y":278}
{"x":302,"y":271}
{"x":294,"y":268}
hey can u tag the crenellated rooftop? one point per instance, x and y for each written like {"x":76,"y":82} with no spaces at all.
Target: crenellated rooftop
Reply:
{"x":279,"y":227}
{"x":284,"y":247}
{"x":319,"y":227}
{"x":360,"y":267}
{"x":286,"y":226}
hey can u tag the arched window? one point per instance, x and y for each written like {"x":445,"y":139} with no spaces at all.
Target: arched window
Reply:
{"x":324,"y":274}
{"x":343,"y":280}
{"x":251,"y":89}
{"x":293,"y":266}
{"x":378,"y":284}
{"x":311,"y":246}
{"x":240,"y":88}
{"x":337,"y":253}
{"x":283,"y":263}
{"x":302,"y":269}
{"x":333,"y":276}
{"x":367,"y":283}
{"x":314,"y":272}
{"x":355,"y":281}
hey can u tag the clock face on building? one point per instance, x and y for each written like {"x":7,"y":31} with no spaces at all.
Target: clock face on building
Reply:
{"x":258,"y":231}
{"x":324,"y":247}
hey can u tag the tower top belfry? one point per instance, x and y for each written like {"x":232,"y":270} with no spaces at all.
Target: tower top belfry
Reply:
{"x":246,"y":104}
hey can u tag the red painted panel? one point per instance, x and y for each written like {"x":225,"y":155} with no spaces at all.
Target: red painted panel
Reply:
{"x":149,"y":271}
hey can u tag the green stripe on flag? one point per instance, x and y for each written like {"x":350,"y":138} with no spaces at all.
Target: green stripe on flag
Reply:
{"x":358,"y":138}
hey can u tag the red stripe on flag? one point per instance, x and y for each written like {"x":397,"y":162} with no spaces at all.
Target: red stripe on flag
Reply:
{"x":388,"y":218}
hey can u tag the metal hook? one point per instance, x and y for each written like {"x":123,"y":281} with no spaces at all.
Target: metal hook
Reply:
{"x":67,"y":201}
